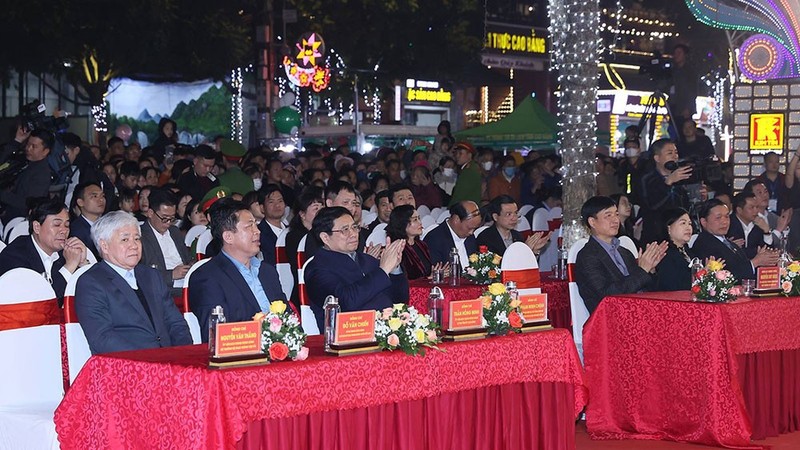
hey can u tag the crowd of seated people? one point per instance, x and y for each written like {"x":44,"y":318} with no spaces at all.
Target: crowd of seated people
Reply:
{"x":371,"y":222}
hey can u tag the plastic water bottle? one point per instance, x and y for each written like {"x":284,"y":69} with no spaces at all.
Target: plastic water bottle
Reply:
{"x":696,"y":266}
{"x":455,"y":267}
{"x":563,"y":254}
{"x":332,"y":310}
{"x":217,"y":317}
{"x":436,"y":305}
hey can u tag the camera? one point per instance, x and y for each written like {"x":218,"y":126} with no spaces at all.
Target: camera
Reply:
{"x":32,"y":117}
{"x":658,"y":69}
{"x":706,"y":169}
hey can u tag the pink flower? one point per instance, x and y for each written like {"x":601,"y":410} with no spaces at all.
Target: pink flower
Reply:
{"x":387,"y":313}
{"x":393,"y":340}
{"x":275,"y":324}
{"x":712,"y":292}
{"x":302,"y":354}
{"x":722,"y":274}
{"x":787,"y":286}
{"x":471,"y":272}
{"x":405,"y":317}
{"x":431,"y":335}
{"x":735,"y":291}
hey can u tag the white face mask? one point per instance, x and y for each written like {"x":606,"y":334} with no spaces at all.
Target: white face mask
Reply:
{"x":631,"y":151}
{"x":257,"y":183}
{"x":488,"y":165}
{"x":403,"y":174}
{"x":448,"y":171}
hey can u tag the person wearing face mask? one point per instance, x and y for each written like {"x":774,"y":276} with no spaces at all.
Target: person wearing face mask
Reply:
{"x":631,"y":169}
{"x":445,"y":177}
{"x":506,"y":182}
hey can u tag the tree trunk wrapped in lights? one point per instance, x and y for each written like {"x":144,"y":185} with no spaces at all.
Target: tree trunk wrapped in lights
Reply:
{"x":574,"y":26}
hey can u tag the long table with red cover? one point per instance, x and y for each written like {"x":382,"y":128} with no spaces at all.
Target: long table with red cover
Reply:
{"x":660,"y":366}
{"x":557,"y":291}
{"x":520,"y":391}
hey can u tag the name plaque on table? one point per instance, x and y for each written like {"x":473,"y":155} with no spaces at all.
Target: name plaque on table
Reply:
{"x":768,"y":281}
{"x":354,"y":334}
{"x":465,"y":320}
{"x":237,"y":344}
{"x":534,"y":312}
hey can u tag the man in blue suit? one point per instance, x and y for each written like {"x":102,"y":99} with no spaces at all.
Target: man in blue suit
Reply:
{"x":234,"y":279}
{"x":358,"y":280}
{"x":121,"y":304}
{"x":456,"y":231}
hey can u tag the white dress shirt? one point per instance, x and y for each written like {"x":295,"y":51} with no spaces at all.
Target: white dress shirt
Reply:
{"x":459,"y":242}
{"x":48,"y":260}
{"x":172,"y":258}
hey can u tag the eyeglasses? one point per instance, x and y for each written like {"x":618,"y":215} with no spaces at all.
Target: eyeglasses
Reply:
{"x":347,"y":230}
{"x":165,"y":219}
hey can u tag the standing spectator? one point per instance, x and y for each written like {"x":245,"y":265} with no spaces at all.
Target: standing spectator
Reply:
{"x":506,"y":181}
{"x":446,"y":176}
{"x":468,"y":186}
{"x":167,"y":138}
{"x":631,"y":169}
{"x":234,"y":178}
{"x":550,"y":165}
{"x":198,"y":181}
{"x":661,"y":188}
{"x":775,"y":182}
{"x":683,"y":91}
{"x":694,"y":145}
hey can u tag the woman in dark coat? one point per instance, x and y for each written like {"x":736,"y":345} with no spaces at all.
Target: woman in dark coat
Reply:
{"x":404,"y":223}
{"x":673,"y":272}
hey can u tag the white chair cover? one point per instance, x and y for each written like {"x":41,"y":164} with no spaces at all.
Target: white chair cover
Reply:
{"x":627,"y":243}
{"x":428,"y":229}
{"x":518,"y":256}
{"x":428,"y":221}
{"x":78,"y":351}
{"x":542,"y":221}
{"x":479,"y":230}
{"x":10,"y":226}
{"x":282,"y":265}
{"x":423,"y":210}
{"x":368,"y":217}
{"x":193,"y":234}
{"x":33,"y":387}
{"x":20,"y":229}
{"x":203,"y":240}
{"x":523,"y":224}
{"x":436,"y":212}
{"x":576,"y":305}
{"x":307,"y":318}
{"x":443,"y":216}
{"x":691,"y":240}
{"x":2,"y":246}
{"x":378,"y":235}
{"x":525,"y":209}
{"x":188,"y":316}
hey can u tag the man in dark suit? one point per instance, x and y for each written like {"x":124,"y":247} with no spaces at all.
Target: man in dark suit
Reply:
{"x":47,"y":250}
{"x":271,"y":226}
{"x":503,"y":232}
{"x":199,"y":180}
{"x":162,"y":243}
{"x":358,"y":280}
{"x":712,"y":241}
{"x":122,"y":304}
{"x":603,"y":267}
{"x":744,"y":230}
{"x":234,"y":279}
{"x":91,"y":201}
{"x":456,"y":231}
{"x":34,"y":180}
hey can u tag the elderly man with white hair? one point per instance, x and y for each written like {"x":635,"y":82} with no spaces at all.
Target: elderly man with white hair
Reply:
{"x":121,"y":304}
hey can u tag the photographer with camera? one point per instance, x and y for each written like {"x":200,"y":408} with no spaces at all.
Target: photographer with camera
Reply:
{"x":662,"y":188}
{"x":33,"y":180}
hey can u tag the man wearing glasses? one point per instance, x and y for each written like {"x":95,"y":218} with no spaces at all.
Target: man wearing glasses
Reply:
{"x":504,"y":233}
{"x":456,"y":231}
{"x":162,"y":245}
{"x":358,"y":280}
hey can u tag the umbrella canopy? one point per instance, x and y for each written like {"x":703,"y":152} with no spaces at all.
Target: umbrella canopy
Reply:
{"x":530,"y":124}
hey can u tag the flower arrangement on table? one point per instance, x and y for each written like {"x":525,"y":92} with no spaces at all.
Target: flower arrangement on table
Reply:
{"x":484,"y":266}
{"x":790,"y":279}
{"x":501,"y":313}
{"x":403,"y":327}
{"x":281,"y":334}
{"x":714,"y":284}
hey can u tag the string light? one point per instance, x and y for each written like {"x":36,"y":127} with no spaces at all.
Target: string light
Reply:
{"x":237,"y":114}
{"x":100,"y":115}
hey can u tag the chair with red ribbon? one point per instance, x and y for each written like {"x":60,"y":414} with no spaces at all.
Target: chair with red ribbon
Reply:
{"x":31,"y":384}
{"x":78,"y":351}
{"x":193,"y":234}
{"x":202,"y":243}
{"x":183,"y":305}
{"x":378,"y":235}
{"x":545,"y":220}
{"x":307,"y":317}
{"x":519,"y":265}
{"x":282,"y":264}
{"x":579,"y":312}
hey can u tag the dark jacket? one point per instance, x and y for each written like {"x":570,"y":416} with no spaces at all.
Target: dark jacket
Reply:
{"x":440,"y":242}
{"x":736,"y":261}
{"x":196,"y":186}
{"x":81,"y":229}
{"x":33,"y":181}
{"x":673,"y":272}
{"x":598,"y":277}
{"x":218,"y":282}
{"x":268,"y":242}
{"x":152,"y":256}
{"x":656,"y":196}
{"x":113,"y":318}
{"x":22,"y":253}
{"x":359,"y":285}
{"x":491,"y":238}
{"x":754,"y":240}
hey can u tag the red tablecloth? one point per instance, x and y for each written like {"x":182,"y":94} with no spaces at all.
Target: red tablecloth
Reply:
{"x":166,"y":398}
{"x":661,"y":367}
{"x":557,"y":297}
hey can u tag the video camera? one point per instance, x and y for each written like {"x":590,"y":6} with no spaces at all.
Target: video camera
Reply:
{"x":706,"y":169}
{"x":32,"y":117}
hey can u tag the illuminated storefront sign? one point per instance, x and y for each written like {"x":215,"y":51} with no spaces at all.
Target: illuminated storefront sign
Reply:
{"x":426,"y":91}
{"x":517,"y":47}
{"x":519,"y":43}
{"x":767,"y":131}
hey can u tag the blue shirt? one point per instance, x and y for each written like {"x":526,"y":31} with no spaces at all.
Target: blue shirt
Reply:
{"x":613,"y":251}
{"x":126,"y":275}
{"x":251,"y":278}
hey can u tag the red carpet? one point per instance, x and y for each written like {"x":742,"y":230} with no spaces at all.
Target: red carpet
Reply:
{"x":583,"y":442}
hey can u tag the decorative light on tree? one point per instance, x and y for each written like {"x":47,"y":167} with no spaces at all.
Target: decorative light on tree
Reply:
{"x":236,"y":105}
{"x":99,"y":113}
{"x":574,"y":26}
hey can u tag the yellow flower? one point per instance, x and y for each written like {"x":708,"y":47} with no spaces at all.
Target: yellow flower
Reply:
{"x":794,"y":267}
{"x":497,"y":259}
{"x":277,"y":307}
{"x":497,"y":289}
{"x":473,"y":258}
{"x":424,"y":321}
{"x":420,"y":335}
{"x":487,"y":302}
{"x":515,"y":303}
{"x":259,"y":316}
{"x":395,"y":323}
{"x":398,"y":306}
{"x":715,"y":265}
